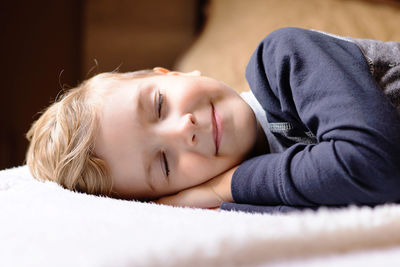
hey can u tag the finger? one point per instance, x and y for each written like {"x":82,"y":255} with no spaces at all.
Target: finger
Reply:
{"x":193,"y":198}
{"x":168,"y":200}
{"x":197,"y":197}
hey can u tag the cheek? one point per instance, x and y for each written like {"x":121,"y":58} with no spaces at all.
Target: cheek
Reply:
{"x":189,"y":99}
{"x":195,"y":169}
{"x":191,"y":95}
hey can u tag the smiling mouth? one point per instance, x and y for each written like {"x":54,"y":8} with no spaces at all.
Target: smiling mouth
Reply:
{"x":216,"y":131}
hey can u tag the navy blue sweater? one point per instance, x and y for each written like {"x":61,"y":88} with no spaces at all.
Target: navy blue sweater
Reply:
{"x":318,"y":88}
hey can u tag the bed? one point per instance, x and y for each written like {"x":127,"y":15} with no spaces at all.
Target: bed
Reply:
{"x":43,"y":224}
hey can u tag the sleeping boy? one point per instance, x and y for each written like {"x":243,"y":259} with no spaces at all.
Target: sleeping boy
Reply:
{"x":319,"y":127}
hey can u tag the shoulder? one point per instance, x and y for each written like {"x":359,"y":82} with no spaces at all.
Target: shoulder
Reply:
{"x":295,"y":37}
{"x":289,"y":33}
{"x":286,"y":41}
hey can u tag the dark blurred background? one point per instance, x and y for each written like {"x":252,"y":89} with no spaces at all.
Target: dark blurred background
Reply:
{"x":47,"y":44}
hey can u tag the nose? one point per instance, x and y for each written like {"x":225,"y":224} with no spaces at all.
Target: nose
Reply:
{"x":181,"y":131}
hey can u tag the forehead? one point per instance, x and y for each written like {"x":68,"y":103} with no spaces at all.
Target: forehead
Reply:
{"x":118,"y":139}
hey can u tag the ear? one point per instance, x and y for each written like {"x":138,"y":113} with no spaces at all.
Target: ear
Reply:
{"x":192,"y":73}
{"x":161,"y":70}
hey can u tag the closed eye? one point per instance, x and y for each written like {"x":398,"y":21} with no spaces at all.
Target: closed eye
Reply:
{"x":159,"y":99}
{"x":164,"y":164}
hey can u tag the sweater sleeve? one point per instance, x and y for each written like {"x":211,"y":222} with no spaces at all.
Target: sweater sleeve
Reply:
{"x":278,"y":209}
{"x":324,"y":84}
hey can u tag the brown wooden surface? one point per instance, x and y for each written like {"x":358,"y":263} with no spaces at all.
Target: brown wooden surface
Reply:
{"x":137,"y":34}
{"x":40,"y":39}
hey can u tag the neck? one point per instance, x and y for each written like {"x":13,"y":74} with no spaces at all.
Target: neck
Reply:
{"x":261,"y":145}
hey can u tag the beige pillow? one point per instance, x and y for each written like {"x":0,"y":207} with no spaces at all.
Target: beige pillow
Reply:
{"x":235,"y":27}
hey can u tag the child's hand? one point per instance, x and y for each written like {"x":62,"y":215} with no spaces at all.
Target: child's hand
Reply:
{"x":208,"y":195}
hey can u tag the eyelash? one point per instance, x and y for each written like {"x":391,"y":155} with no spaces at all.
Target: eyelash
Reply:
{"x":163,"y":159}
{"x":164,"y":163}
{"x":160,"y":102}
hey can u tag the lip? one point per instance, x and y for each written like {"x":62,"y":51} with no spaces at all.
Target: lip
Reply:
{"x":217,"y":128}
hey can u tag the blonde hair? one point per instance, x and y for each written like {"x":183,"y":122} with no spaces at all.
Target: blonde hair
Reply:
{"x":62,"y":139}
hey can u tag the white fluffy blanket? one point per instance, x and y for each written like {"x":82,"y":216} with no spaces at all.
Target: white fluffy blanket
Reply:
{"x":45,"y":225}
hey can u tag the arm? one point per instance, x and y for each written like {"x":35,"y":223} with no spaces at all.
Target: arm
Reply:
{"x":323,"y":85}
{"x":277,"y":209}
{"x":210,"y":194}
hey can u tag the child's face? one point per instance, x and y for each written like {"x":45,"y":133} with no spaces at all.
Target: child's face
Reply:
{"x":142,"y":141}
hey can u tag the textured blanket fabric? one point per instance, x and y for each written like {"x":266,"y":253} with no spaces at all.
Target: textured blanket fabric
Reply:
{"x":45,"y":225}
